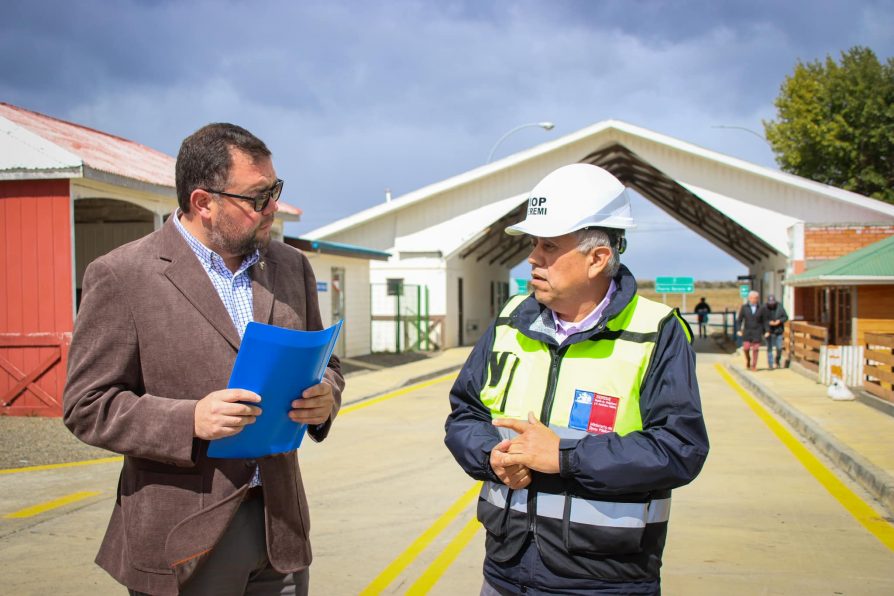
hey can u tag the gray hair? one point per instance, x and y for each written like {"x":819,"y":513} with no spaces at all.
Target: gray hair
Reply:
{"x":590,"y":238}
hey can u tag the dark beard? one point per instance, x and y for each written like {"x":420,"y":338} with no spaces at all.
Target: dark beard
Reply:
{"x":223,"y":238}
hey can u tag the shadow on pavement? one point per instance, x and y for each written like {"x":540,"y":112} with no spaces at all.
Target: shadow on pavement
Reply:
{"x":714,"y":344}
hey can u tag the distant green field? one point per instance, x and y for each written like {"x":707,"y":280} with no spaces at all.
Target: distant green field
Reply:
{"x":718,"y":298}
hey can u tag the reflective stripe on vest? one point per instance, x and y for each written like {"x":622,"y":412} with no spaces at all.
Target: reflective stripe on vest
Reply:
{"x":608,"y":514}
{"x":579,"y":389}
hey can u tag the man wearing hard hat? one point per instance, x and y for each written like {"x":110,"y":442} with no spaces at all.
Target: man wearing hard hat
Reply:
{"x":579,"y":407}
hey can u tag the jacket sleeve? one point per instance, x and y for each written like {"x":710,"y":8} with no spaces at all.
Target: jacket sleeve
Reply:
{"x":670,"y":450}
{"x":104,"y":403}
{"x":332,"y":375}
{"x":471,"y":434}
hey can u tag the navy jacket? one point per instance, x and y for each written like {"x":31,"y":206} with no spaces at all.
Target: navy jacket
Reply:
{"x":751,"y":323}
{"x":669,"y":452}
{"x":776,"y":313}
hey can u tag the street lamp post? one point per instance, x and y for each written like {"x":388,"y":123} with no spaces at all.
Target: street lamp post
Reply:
{"x":543,"y":125}
{"x":755,"y":133}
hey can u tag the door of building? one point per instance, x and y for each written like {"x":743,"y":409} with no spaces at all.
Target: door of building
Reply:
{"x":462,"y":322}
{"x":337,"y":296}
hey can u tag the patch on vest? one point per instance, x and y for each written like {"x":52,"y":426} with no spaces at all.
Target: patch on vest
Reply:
{"x":593,"y":412}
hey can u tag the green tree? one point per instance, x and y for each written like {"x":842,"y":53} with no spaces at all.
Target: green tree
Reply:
{"x":835,"y":123}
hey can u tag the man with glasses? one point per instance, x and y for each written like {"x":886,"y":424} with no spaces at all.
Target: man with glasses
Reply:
{"x":155,"y":339}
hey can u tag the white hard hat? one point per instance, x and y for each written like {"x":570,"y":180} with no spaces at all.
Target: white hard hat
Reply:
{"x":574,"y":197}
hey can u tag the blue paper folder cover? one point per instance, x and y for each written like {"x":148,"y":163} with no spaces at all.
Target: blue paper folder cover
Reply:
{"x":278,"y":364}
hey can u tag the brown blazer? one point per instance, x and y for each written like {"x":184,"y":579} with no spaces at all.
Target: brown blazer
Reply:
{"x":152,"y":337}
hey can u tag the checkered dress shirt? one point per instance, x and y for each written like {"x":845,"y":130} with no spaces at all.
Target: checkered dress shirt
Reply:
{"x":234,"y":289}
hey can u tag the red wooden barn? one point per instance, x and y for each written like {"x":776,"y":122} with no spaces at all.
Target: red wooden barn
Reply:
{"x":68,"y":194}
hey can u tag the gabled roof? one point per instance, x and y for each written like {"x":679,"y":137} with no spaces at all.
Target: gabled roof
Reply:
{"x":608,"y":129}
{"x":88,"y":147}
{"x":871,"y":264}
{"x":34,"y":145}
{"x":458,"y":232}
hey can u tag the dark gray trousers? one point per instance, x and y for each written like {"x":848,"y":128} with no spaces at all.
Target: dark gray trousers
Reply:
{"x":238,"y":565}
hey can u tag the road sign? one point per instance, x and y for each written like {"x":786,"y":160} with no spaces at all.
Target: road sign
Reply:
{"x":743,"y":290}
{"x":674,"y":285}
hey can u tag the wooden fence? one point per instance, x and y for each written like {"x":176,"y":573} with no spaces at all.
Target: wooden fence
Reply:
{"x":803,"y":341}
{"x":878,"y":368}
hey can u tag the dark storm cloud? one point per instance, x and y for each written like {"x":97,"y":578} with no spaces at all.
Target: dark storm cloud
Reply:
{"x":355,"y":96}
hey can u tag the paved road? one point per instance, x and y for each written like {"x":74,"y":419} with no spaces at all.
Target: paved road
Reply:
{"x":392,"y":513}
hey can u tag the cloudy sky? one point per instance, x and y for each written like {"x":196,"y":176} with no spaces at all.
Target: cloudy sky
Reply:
{"x":354,"y":96}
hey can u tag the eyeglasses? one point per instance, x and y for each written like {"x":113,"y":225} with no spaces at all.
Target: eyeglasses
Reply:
{"x":260,"y":201}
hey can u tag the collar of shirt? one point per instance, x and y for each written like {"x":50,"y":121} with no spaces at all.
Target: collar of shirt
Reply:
{"x":565,"y":329}
{"x":209,"y":259}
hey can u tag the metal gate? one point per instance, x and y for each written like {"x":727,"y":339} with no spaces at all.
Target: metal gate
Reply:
{"x":401,"y":321}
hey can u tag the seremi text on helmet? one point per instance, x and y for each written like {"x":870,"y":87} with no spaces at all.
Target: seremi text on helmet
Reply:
{"x":572,"y":198}
{"x":536,"y":206}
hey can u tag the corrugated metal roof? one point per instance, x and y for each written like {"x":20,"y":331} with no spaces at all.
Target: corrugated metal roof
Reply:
{"x":866,"y":264}
{"x":21,"y":149}
{"x":31,"y":141}
{"x":96,"y":149}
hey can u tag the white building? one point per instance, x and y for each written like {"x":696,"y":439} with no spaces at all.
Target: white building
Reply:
{"x":449,"y":235}
{"x":342,"y":272}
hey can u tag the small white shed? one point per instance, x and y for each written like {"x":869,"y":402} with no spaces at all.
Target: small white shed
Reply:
{"x":342,"y":272}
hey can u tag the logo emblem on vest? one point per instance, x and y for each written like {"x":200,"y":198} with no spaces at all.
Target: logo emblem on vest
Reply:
{"x":593,"y":412}
{"x":537,"y":206}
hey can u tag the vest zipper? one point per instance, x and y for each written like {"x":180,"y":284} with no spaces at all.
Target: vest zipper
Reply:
{"x":555,"y":362}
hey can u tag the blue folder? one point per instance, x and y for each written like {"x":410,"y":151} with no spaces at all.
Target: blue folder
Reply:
{"x":278,"y":364}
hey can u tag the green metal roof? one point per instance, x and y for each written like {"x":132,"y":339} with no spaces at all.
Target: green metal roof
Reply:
{"x":870,"y":264}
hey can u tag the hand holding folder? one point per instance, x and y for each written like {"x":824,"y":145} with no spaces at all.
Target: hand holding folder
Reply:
{"x":278,"y":364}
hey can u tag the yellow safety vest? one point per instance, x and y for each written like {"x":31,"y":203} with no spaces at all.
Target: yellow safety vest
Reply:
{"x":588,"y":387}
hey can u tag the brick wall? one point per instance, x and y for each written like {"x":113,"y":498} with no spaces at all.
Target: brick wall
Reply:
{"x":831,"y":242}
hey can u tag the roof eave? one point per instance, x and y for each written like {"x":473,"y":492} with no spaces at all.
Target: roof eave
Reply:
{"x":91,"y":173}
{"x":841,"y":280}
{"x":457,"y":181}
{"x":41,"y":174}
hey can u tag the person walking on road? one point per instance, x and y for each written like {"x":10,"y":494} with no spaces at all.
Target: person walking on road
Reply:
{"x":579,"y":407}
{"x":750,"y":327}
{"x":702,"y":309}
{"x":774,"y":318}
{"x":154,"y":342}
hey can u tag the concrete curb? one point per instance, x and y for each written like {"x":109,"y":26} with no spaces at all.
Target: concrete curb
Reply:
{"x":874,"y":402}
{"x":406,"y":383}
{"x":875,"y":480}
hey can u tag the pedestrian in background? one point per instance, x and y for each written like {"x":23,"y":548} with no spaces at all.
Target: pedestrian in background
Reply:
{"x":579,"y":407}
{"x":750,"y":326}
{"x":774,"y":317}
{"x":702,"y":309}
{"x":154,"y":343}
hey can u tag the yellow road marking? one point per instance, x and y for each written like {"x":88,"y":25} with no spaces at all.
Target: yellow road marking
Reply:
{"x":403,"y":560}
{"x":437,"y":568}
{"x":71,"y":464}
{"x":49,"y":505}
{"x":857,"y":507}
{"x":392,"y":394}
{"x":346,"y":410}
